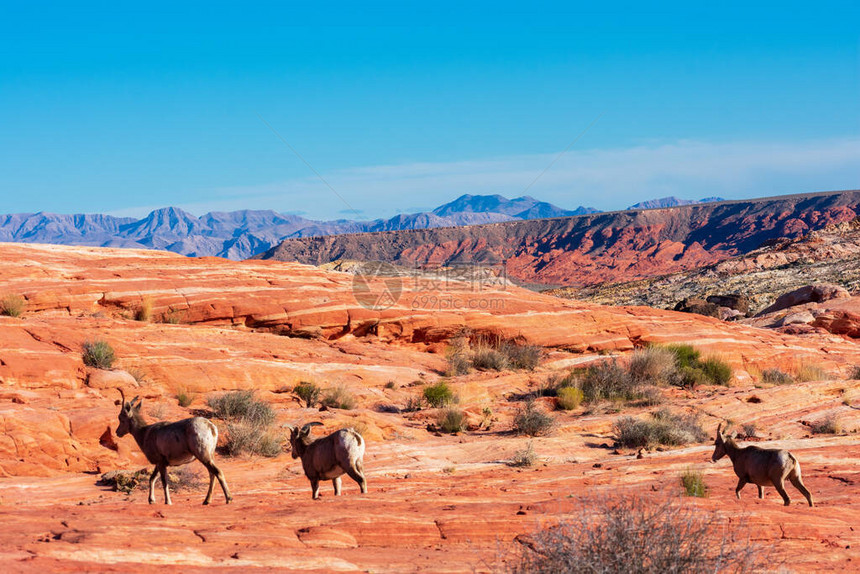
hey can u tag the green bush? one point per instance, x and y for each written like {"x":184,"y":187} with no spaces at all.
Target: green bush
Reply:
{"x":308,"y":392}
{"x":184,"y":397}
{"x":12,"y":305}
{"x":685,"y":355}
{"x":568,"y":398}
{"x":689,"y":378}
{"x":242,"y":406}
{"x":532,"y":421}
{"x":338,"y":397}
{"x":451,"y":420}
{"x":694,"y":483}
{"x":717,"y":371}
{"x":664,"y":428}
{"x":438,"y":395}
{"x":98,"y":354}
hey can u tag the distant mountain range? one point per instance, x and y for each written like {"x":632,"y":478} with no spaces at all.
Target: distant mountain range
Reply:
{"x":671,"y":201}
{"x":242,"y":234}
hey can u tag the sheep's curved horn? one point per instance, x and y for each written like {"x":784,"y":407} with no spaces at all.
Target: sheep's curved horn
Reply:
{"x":718,"y":427}
{"x":122,"y":394}
{"x":286,"y":426}
{"x":307,"y":428}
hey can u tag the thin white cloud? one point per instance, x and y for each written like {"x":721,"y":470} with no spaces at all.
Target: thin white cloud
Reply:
{"x":602,"y":178}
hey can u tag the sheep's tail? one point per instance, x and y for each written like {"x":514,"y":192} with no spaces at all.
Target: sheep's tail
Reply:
{"x":796,"y":462}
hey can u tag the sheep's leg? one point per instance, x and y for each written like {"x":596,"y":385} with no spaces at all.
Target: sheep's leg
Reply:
{"x":315,"y":488}
{"x":208,"y":498}
{"x":780,"y":488}
{"x":742,"y":482}
{"x":163,"y":470}
{"x":215,"y":472}
{"x":336,"y":483}
{"x":795,"y":480}
{"x":760,"y":491}
{"x":152,"y":485}
{"x":357,"y":474}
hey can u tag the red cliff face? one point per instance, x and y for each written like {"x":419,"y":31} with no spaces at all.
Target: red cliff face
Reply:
{"x":591,"y":249}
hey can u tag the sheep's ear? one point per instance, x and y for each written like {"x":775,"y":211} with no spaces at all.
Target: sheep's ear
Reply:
{"x":719,"y":434}
{"x":122,"y":394}
{"x":291,"y":428}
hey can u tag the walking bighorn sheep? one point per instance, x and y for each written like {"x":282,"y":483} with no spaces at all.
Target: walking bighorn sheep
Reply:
{"x":172,"y":444}
{"x":329,"y":457}
{"x":761,"y":466}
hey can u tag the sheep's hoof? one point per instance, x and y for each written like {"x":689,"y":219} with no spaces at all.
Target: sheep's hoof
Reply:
{"x":206,"y":503}
{"x":229,"y":500}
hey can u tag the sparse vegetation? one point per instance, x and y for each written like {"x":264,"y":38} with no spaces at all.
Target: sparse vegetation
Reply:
{"x":413,"y":404}
{"x":828,"y":425}
{"x":521,"y":356}
{"x":309,"y":392}
{"x":451,"y":420}
{"x":338,"y":397}
{"x":491,"y":353}
{"x":808,"y":373}
{"x":185,"y":397}
{"x":525,"y":457}
{"x":249,"y":422}
{"x":531,"y":421}
{"x":776,"y":377}
{"x":641,"y":536}
{"x":458,"y":363}
{"x":749,"y":430}
{"x":652,"y":365}
{"x":439,"y":395}
{"x":390,"y":385}
{"x":694,"y":483}
{"x":608,"y":381}
{"x":144,"y":312}
{"x":12,"y":305}
{"x":685,"y":355}
{"x":173,"y":317}
{"x":98,"y":354}
{"x":663,"y":428}
{"x":489,"y":359}
{"x":854,"y":374}
{"x":242,"y":406}
{"x":568,"y":398}
{"x":717,"y":371}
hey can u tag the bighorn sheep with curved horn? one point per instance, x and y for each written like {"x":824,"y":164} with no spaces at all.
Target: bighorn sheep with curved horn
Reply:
{"x":761,"y":466}
{"x":172,"y":444}
{"x":329,"y":457}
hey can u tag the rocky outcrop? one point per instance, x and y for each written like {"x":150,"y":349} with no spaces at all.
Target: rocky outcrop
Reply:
{"x":807,"y":294}
{"x":593,"y":249}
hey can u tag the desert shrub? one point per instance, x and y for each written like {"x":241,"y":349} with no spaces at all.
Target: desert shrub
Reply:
{"x":652,"y":365}
{"x":635,"y":535}
{"x":12,"y":305}
{"x":811,"y":373}
{"x":664,"y":428}
{"x":185,"y":397}
{"x":531,"y":421}
{"x":568,"y":398}
{"x":308,"y":392}
{"x":242,"y":406}
{"x":173,"y":317}
{"x":716,"y":370}
{"x":854,"y":373}
{"x":694,"y":483}
{"x":688,"y":377}
{"x":139,"y":375}
{"x":776,"y":377}
{"x":98,"y":354}
{"x":649,"y":396}
{"x":390,"y":385}
{"x":144,"y":312}
{"x":451,"y":420}
{"x":748,"y":430}
{"x":338,"y":397}
{"x":521,"y":356}
{"x":827,"y":425}
{"x":608,"y":381}
{"x":124,"y":480}
{"x":524,"y":457}
{"x":458,"y":361}
{"x":244,"y":436}
{"x":438,"y":395}
{"x":489,"y":359}
{"x":413,"y":404}
{"x":685,"y":355}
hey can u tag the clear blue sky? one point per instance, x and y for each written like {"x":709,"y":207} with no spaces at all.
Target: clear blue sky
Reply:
{"x":123,"y":109}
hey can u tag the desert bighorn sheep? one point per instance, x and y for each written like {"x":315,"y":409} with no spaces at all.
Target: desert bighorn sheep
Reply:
{"x":761,"y":466}
{"x":329,"y":457}
{"x":172,"y":444}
